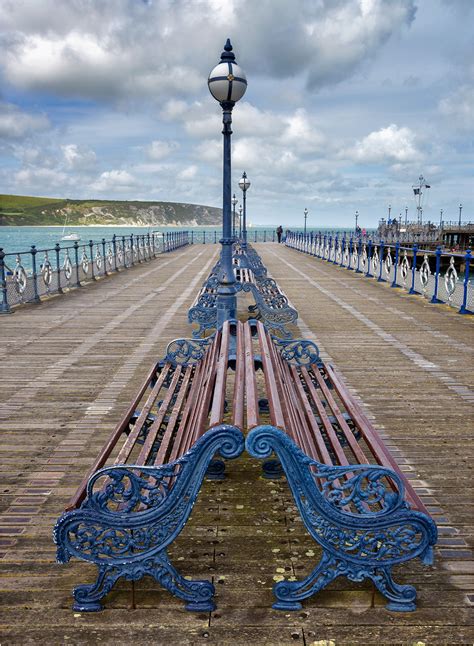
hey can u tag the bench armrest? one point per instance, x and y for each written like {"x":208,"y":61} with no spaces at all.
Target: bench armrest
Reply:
{"x":184,"y":352}
{"x":300,"y":352}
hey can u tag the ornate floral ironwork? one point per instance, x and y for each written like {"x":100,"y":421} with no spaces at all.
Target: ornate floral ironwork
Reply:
{"x":132,"y":514}
{"x":187,"y":351}
{"x":20,"y":278}
{"x":357,"y":514}
{"x":301,"y":352}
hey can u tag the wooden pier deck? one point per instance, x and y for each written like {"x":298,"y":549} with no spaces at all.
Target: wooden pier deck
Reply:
{"x":68,"y":369}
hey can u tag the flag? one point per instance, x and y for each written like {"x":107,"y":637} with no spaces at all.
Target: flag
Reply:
{"x":427,"y":186}
{"x":416,"y":191}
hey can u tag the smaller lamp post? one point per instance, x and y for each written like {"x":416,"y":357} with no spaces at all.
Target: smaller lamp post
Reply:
{"x":357,"y":219}
{"x":240,"y":221}
{"x":244,"y":184}
{"x":441,"y":219}
{"x":460,"y":214}
{"x":305,"y":217}
{"x":406,"y":216}
{"x":234,"y":202}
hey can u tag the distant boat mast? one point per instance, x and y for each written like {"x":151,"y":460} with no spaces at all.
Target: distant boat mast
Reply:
{"x":418,"y":191}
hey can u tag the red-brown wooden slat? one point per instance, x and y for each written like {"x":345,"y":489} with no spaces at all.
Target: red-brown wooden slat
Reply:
{"x":359,"y":454}
{"x":321,"y":453}
{"x":251,"y":396}
{"x":155,"y":427}
{"x":206,"y":394}
{"x":239,"y":390}
{"x":132,"y":438}
{"x":167,"y":436}
{"x":189,"y":408}
{"x":276,"y":412}
{"x":218,"y":400}
{"x":101,"y":459}
{"x":380,"y":452}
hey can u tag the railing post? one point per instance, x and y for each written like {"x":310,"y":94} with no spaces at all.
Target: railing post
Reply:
{"x":412,"y":289}
{"x":434,"y":298}
{"x":91,"y":250}
{"x":192,"y":236}
{"x":467,"y":263}
{"x":123,"y":251}
{"x":382,"y":248}
{"x":359,"y":254}
{"x":273,"y":235}
{"x":104,"y":257}
{"x":395,"y":264}
{"x":4,"y":306}
{"x":351,"y":248}
{"x":368,"y":273}
{"x":264,"y":235}
{"x":148,"y":245}
{"x":343,"y":248}
{"x":57,"y":249}
{"x":132,"y":259}
{"x":114,"y":245}
{"x":204,"y":237}
{"x":76,"y":258}
{"x":34,"y":274}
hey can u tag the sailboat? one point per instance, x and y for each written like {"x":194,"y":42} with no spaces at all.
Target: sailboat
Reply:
{"x":71,"y":237}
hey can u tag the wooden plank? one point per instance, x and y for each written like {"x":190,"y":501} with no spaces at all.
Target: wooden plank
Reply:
{"x":218,"y":399}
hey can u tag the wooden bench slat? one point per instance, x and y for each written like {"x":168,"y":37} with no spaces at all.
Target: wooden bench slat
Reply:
{"x":276,"y":411}
{"x":359,"y":454}
{"x":155,"y":427}
{"x":132,"y":438}
{"x":161,"y":457}
{"x":239,"y":390}
{"x":251,"y":395}
{"x":378,"y":448}
{"x":218,"y":400}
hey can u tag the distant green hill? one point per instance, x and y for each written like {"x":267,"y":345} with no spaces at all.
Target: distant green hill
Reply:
{"x":17,"y":210}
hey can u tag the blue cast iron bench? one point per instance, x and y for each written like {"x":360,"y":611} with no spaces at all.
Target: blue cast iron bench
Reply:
{"x":352,"y":497}
{"x":139,"y":493}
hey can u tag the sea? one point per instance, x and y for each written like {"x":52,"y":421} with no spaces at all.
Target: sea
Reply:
{"x":18,"y":240}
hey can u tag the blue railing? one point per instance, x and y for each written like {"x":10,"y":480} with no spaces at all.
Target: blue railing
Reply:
{"x":27,"y":276}
{"x":439,"y":276}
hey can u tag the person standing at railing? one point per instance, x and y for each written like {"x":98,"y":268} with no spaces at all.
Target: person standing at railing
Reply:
{"x":279,"y":233}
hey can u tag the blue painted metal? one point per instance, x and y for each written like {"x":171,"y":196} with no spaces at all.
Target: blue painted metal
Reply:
{"x":4,"y":306}
{"x":381,"y":252}
{"x":395,"y":265}
{"x":467,"y":262}
{"x":363,"y":527}
{"x":133,"y":513}
{"x":434,"y":298}
{"x":369,"y":260}
{"x":412,"y":289}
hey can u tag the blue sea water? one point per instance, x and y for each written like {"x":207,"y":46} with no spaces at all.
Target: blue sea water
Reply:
{"x":15,"y":240}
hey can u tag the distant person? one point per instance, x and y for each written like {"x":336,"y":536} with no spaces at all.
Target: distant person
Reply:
{"x":364,"y":233}
{"x":279,"y":233}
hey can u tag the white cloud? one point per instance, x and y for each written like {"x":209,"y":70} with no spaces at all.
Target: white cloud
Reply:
{"x":459,"y":107}
{"x":78,"y":157}
{"x":390,"y":144}
{"x":159,"y":149}
{"x":28,"y":179}
{"x":188,"y":173}
{"x":17,"y":124}
{"x":114,"y":180}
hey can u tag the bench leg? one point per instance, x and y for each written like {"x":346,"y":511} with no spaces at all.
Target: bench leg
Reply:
{"x":290,"y":593}
{"x":402,"y":598}
{"x":197,"y":594}
{"x":216,"y":470}
{"x":87,"y":597}
{"x":272,"y":469}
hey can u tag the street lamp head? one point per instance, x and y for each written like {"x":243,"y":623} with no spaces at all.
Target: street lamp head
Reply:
{"x":234,"y":200}
{"x":240,"y":210}
{"x":305,"y":212}
{"x":244,"y":182}
{"x":227,"y":81}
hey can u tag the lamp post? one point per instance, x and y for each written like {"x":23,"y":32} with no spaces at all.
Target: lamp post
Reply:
{"x":234,"y":202}
{"x":389,"y":212}
{"x":460,"y":214}
{"x":441,"y":219}
{"x":406,"y":216}
{"x":305,"y":216}
{"x":244,"y":184}
{"x":240,"y":221}
{"x":227,"y":84}
{"x":356,"y":218}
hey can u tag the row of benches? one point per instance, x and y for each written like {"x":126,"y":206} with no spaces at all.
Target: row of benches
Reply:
{"x":271,"y":304}
{"x":197,"y":403}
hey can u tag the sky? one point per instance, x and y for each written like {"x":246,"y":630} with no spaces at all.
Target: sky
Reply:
{"x":348,"y":102}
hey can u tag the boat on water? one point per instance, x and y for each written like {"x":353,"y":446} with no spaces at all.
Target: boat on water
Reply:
{"x":69,"y":237}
